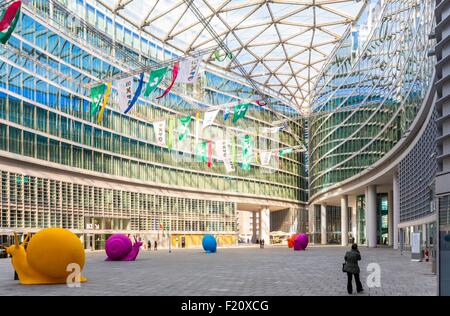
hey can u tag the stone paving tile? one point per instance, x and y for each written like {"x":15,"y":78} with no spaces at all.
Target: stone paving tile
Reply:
{"x":252,"y":271}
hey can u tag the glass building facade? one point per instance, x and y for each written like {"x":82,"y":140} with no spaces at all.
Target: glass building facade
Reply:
{"x":371,"y":90}
{"x":45,"y":118}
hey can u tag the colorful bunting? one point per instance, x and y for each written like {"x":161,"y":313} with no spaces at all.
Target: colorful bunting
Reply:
{"x":160,"y":132}
{"x":156,"y":76}
{"x":8,"y":20}
{"x":96,"y":97}
{"x":210,"y":118}
{"x":183,"y":127}
{"x":240,"y":111}
{"x":105,"y":101}
{"x":176,"y":69}
{"x":137,"y":94}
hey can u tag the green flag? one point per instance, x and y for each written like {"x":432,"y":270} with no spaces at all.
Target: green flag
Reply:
{"x":202,"y":151}
{"x":247,"y":152}
{"x":183,"y":127}
{"x":286,"y":151}
{"x":240,"y":111}
{"x":156,"y":76}
{"x":96,"y":97}
{"x":8,"y":20}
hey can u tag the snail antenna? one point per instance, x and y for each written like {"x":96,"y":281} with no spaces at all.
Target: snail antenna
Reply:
{"x":16,"y":239}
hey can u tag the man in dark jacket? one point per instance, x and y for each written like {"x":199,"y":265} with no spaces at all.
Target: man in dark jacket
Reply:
{"x":351,"y":267}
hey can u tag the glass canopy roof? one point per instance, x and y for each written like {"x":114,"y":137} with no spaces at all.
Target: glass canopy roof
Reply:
{"x":281,"y":44}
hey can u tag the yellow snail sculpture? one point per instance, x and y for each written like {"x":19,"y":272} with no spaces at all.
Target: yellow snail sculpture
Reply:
{"x":47,"y":257}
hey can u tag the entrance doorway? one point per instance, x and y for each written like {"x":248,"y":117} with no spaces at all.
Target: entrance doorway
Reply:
{"x":382,"y":219}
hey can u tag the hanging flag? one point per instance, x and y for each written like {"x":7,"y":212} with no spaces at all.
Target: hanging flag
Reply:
{"x":262,"y":103}
{"x":195,"y":70}
{"x":202,"y":151}
{"x":240,"y":111}
{"x":8,"y":20}
{"x":220,"y":149}
{"x":137,"y":94}
{"x":171,"y":129}
{"x":160,"y":132}
{"x":270,"y":130}
{"x":226,"y":114}
{"x":176,"y":69}
{"x":284,"y":126}
{"x":197,"y":128}
{"x":210,"y":153}
{"x":265,"y":157}
{"x":105,"y":101}
{"x":219,"y":59}
{"x":228,"y":166}
{"x":286,"y":151}
{"x":156,"y":76}
{"x":247,"y":152}
{"x":189,"y":69}
{"x":222,"y":153}
{"x":183,"y":127}
{"x":124,"y":93}
{"x":96,"y":97}
{"x":210,"y":118}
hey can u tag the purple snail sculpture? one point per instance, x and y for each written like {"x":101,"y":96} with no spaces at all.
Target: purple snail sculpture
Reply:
{"x":119,"y":247}
{"x":301,"y":242}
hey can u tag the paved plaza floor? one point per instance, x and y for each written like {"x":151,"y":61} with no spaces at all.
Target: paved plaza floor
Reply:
{"x":250,"y":271}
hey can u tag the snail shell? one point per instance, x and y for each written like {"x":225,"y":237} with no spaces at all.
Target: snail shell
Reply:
{"x":209,"y":243}
{"x":118,"y":246}
{"x":51,"y":250}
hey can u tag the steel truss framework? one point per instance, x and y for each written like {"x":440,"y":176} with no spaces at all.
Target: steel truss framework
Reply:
{"x":282,"y":44}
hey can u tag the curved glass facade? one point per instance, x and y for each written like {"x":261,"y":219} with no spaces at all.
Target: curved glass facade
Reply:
{"x":46,"y":111}
{"x":370,"y":91}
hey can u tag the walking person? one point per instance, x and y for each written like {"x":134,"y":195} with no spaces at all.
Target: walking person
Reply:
{"x":149,"y":245}
{"x":156,"y":246}
{"x":352,"y":268}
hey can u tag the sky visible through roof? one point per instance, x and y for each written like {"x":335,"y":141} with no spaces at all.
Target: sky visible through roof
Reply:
{"x":282,"y":44}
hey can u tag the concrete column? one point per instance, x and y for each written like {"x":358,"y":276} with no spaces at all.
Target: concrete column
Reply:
{"x":390,"y":218}
{"x":264,"y":225}
{"x":323,"y":223}
{"x":424,"y":235}
{"x":371,"y":221}
{"x":254,"y":227}
{"x":354,"y":224}
{"x":312,"y":222}
{"x":396,"y":209}
{"x":344,"y":220}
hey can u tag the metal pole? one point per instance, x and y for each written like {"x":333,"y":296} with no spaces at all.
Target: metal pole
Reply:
{"x":170,"y":243}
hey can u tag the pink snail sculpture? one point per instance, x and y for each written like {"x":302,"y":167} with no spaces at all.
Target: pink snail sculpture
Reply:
{"x":119,"y":247}
{"x":301,"y":242}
